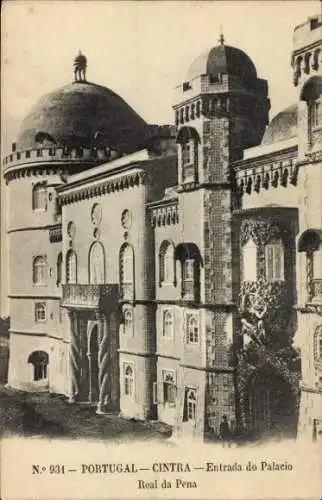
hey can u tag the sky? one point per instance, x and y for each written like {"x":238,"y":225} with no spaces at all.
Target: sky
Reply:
{"x":141,"y":50}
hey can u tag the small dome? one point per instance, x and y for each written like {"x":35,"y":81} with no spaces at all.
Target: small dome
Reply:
{"x":224,"y":59}
{"x":83,"y":114}
{"x":282,"y":127}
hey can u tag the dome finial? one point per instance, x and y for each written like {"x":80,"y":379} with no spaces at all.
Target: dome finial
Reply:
{"x":80,"y":65}
{"x":221,"y":38}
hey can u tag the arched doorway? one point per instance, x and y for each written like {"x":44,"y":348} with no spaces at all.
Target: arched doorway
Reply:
{"x":272,"y":405}
{"x":39,"y":360}
{"x":93,"y":365}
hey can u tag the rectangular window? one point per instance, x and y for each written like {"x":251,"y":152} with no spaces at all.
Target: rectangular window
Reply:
{"x":39,"y":197}
{"x":188,"y":279}
{"x":274,"y":257}
{"x":186,"y":154}
{"x":155,"y":393}
{"x":249,"y":261}
{"x":315,"y":114}
{"x":40,"y":312}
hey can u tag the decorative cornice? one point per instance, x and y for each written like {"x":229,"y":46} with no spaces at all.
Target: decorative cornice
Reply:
{"x":105,"y":186}
{"x":33,"y":297}
{"x":309,"y":309}
{"x":258,"y":176}
{"x":35,"y":169}
{"x":313,"y":157}
{"x":208,"y":368}
{"x":32,"y":228}
{"x":137,"y":353}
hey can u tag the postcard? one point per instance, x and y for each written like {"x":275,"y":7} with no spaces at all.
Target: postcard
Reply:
{"x":161,"y":250}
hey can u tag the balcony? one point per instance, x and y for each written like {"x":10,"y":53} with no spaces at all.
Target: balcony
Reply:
{"x":88,"y":296}
{"x":55,"y":233}
{"x":317,"y":290}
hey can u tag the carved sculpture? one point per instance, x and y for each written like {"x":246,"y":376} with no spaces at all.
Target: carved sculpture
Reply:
{"x":253,"y":310}
{"x":80,"y":65}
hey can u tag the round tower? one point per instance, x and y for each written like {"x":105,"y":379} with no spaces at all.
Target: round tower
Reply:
{"x":69,"y":130}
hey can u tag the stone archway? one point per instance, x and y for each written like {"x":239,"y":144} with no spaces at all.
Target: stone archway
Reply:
{"x":271,"y":405}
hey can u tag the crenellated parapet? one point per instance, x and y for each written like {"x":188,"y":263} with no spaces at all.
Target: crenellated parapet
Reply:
{"x":20,"y":163}
{"x":307,"y":54}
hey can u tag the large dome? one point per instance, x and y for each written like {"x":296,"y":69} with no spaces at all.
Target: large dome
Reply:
{"x":282,"y":127}
{"x":83,"y":114}
{"x":224,"y":59}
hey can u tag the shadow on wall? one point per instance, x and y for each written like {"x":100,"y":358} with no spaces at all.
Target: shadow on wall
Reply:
{"x":4,"y":349}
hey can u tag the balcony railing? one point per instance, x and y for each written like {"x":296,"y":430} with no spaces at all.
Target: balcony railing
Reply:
{"x":87,"y":296}
{"x":55,"y":233}
{"x":317,"y":290}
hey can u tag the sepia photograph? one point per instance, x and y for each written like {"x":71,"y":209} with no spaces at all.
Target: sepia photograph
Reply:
{"x":161,"y":249}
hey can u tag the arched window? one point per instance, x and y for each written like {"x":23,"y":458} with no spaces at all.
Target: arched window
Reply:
{"x":96,"y":264}
{"x":127,"y":271}
{"x":39,"y":360}
{"x":71,"y":267}
{"x":40,"y":312}
{"x":192,"y":330}
{"x":190,"y":405}
{"x":128,"y":322}
{"x":249,"y":264}
{"x":190,"y":258}
{"x":189,"y":140}
{"x":167,"y":323}
{"x":274,"y":260}
{"x":315,"y":114}
{"x":311,"y":93}
{"x":167,"y":263}
{"x":39,"y":272}
{"x":59,"y":269}
{"x":310,"y":242}
{"x":39,"y":197}
{"x":169,"y":387}
{"x":128,"y":380}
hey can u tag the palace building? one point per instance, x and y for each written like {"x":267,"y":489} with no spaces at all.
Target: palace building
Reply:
{"x":174,"y":272}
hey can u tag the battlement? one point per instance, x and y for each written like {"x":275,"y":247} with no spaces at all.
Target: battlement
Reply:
{"x":206,"y":84}
{"x":307,"y":33}
{"x":58,"y":155}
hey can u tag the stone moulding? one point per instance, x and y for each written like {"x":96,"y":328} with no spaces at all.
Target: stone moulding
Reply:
{"x":262,"y":231}
{"x":108,"y":186}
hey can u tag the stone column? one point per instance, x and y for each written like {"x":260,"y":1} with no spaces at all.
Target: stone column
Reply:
{"x":74,"y":356}
{"x":103,"y":364}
